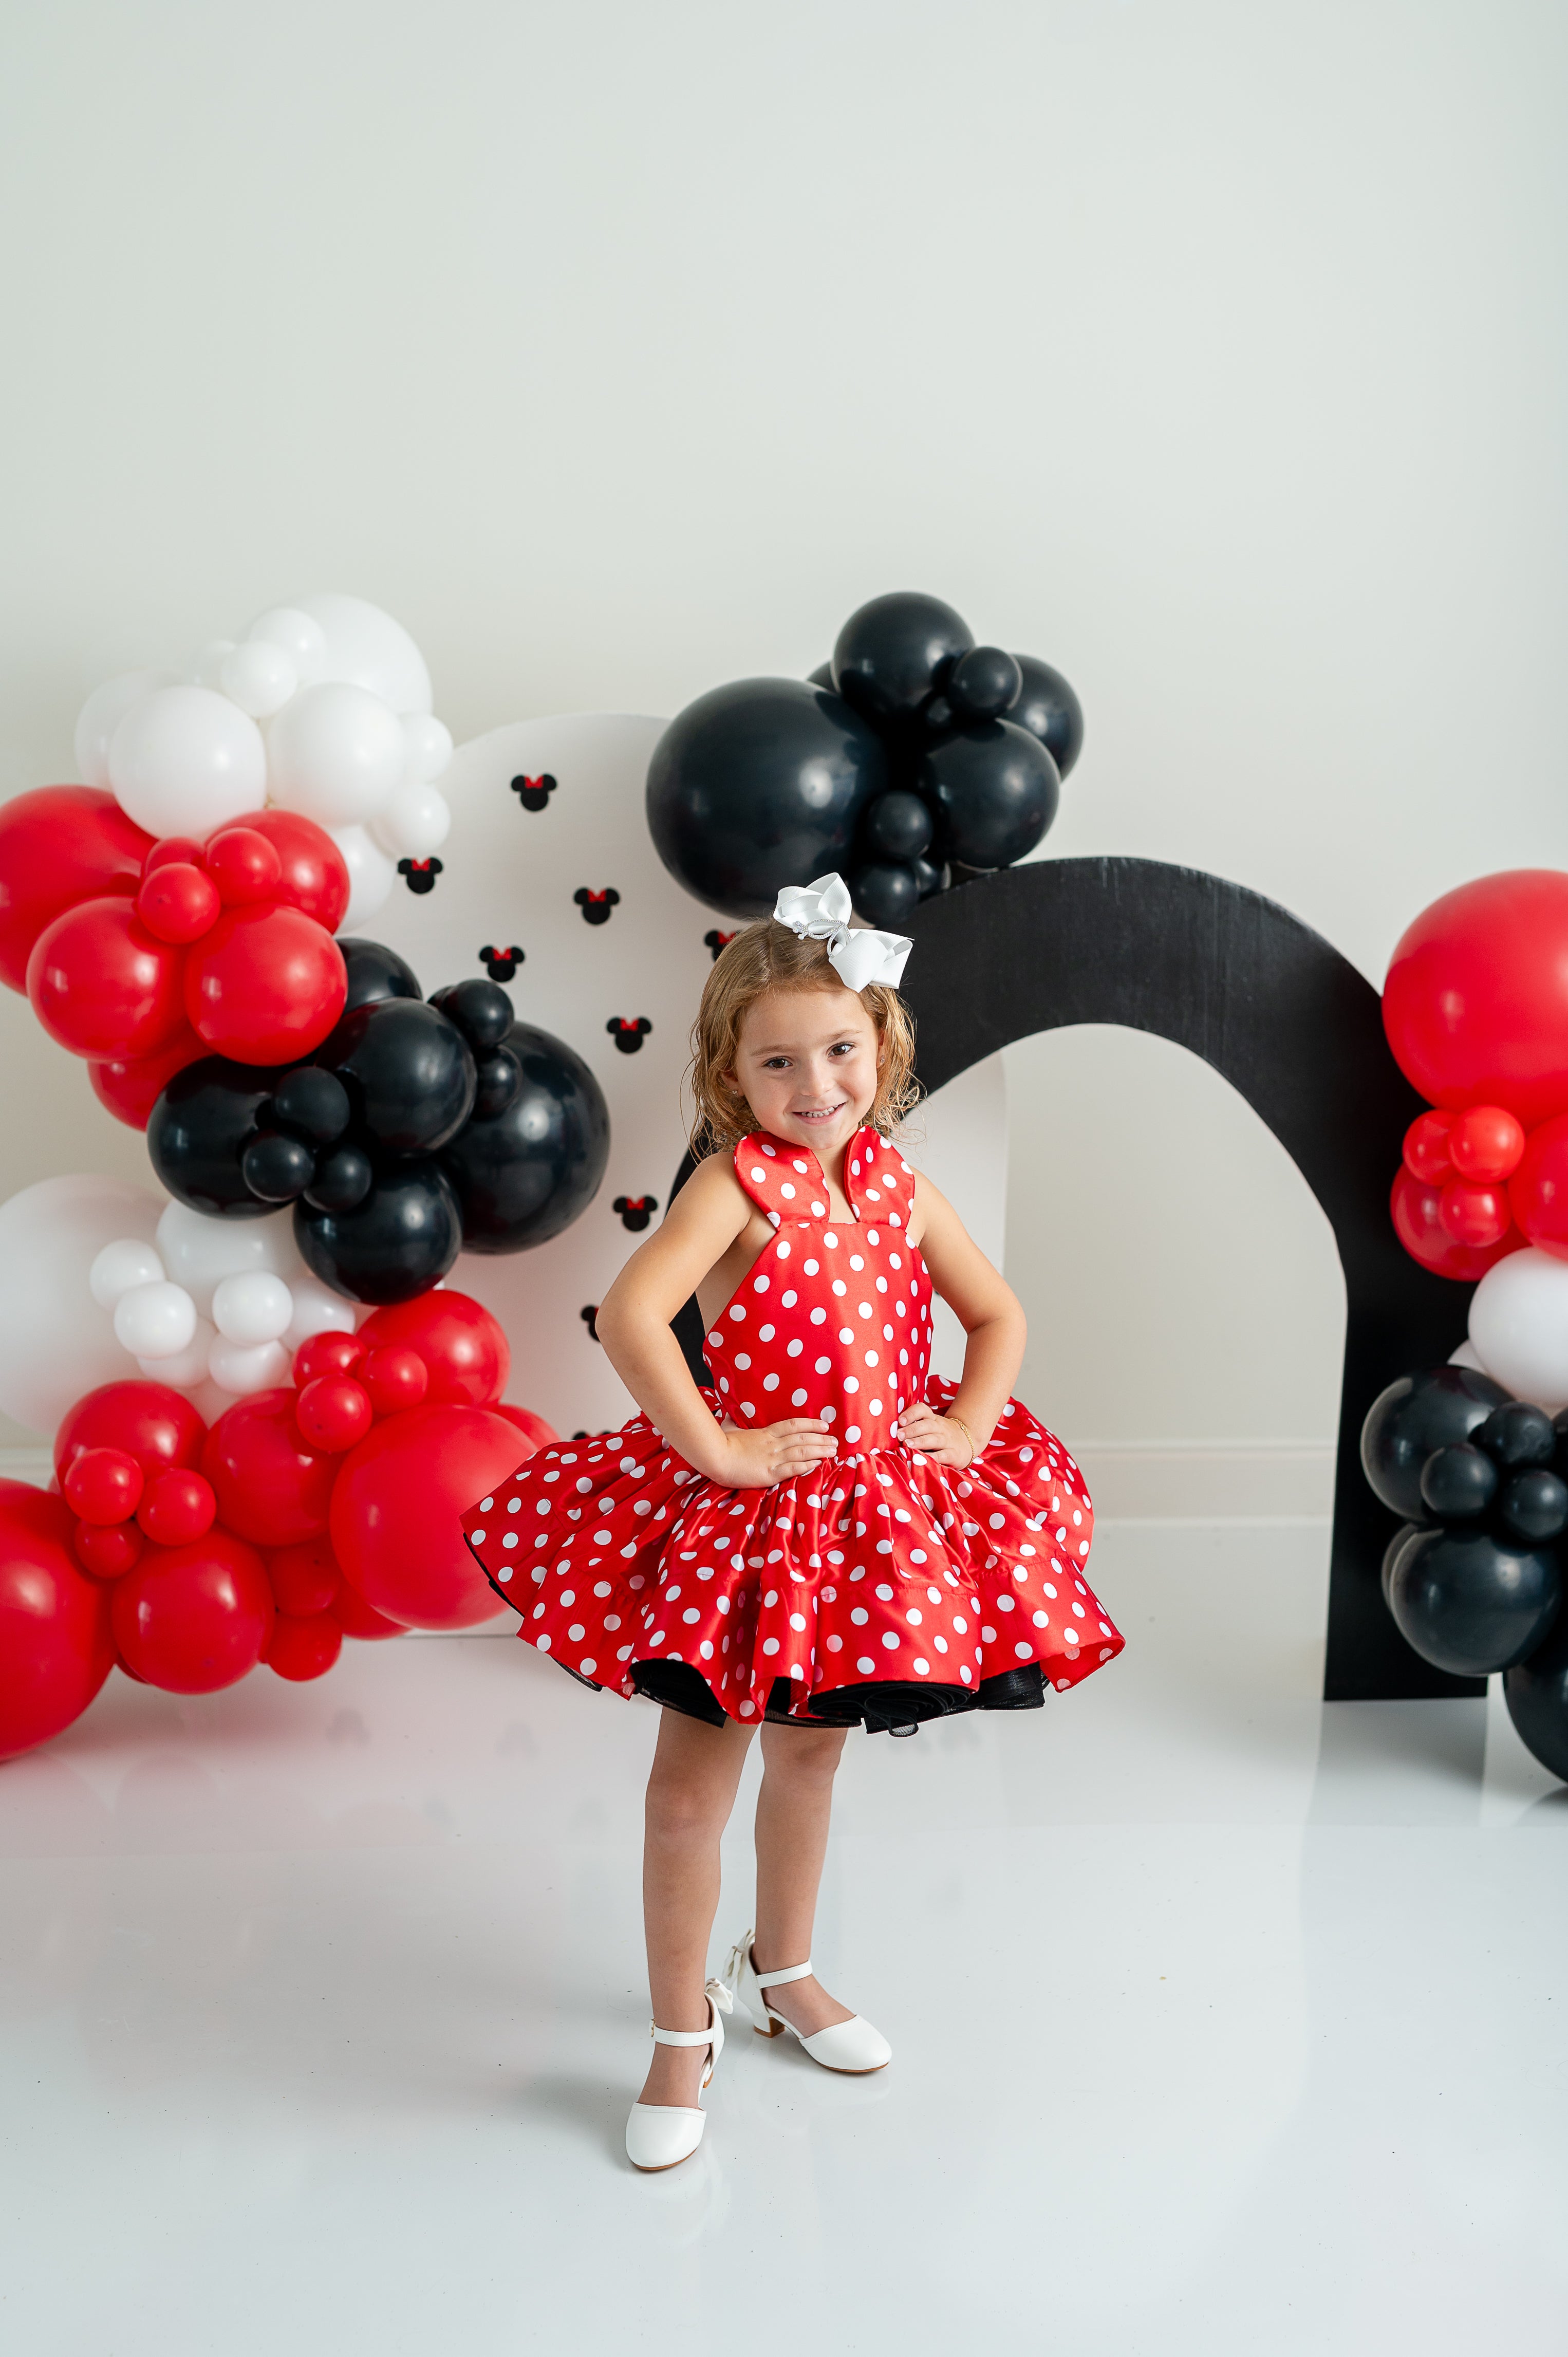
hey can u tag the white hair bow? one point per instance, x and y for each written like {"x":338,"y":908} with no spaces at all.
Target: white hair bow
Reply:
{"x":820,"y":912}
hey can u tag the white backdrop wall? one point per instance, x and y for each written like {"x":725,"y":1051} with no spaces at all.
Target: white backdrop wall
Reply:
{"x":1216,"y":353}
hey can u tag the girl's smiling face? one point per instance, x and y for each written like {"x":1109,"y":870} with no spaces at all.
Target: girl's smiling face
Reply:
{"x":807,"y":1064}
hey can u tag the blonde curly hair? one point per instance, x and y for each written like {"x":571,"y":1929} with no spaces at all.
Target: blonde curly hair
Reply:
{"x":769,"y":956}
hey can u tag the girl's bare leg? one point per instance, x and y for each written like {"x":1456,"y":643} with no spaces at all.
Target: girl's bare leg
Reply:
{"x":690,"y":1791}
{"x":792,"y":1811}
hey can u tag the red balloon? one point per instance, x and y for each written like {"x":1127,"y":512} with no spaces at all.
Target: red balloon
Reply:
{"x":304,"y":1577}
{"x":55,"y":1646}
{"x":397,"y":1513}
{"x":303,"y":1646}
{"x":333,"y":1413}
{"x":1476,"y":1005}
{"x":101,"y":984}
{"x":358,"y":1619}
{"x":244,"y":867}
{"x":179,"y":1506}
{"x":265,"y":985}
{"x":463,"y":1349}
{"x":106,"y":1550}
{"x":103,"y":1485}
{"x":1414,"y":1207}
{"x":183,"y":847}
{"x":1474,"y":1215}
{"x":1426,"y":1153}
{"x":1538,"y":1192}
{"x":1485,"y":1145}
{"x":59,"y":845}
{"x":155,"y":1425}
{"x":533,"y":1427}
{"x":271,"y":1486}
{"x":193,"y":1618}
{"x":315,"y":874}
{"x":326,"y":1354}
{"x":394,"y":1379}
{"x":178,"y":902}
{"x":131,"y":1085}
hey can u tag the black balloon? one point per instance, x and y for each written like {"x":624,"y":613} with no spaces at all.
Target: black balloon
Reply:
{"x":1536,"y":1691}
{"x":1533,"y":1506}
{"x":398,"y":1241}
{"x":500,"y":1077}
{"x":994,"y":789}
{"x":927,"y":876}
{"x":883,"y":893}
{"x":1470,"y":1603}
{"x":899,"y":826}
{"x":312,"y":1103}
{"x":523,"y":1175}
{"x":409,"y":1073}
{"x":277,"y":1167}
{"x":1457,"y":1483}
{"x":1049,"y":710}
{"x":984,"y":682}
{"x":481,"y":1010}
{"x":197,"y":1130}
{"x":1413,"y":1416}
{"x":759,"y":784}
{"x":894,"y":652}
{"x":344,"y":1178}
{"x":1518,"y":1433}
{"x":939,"y":718}
{"x":376,"y":973}
{"x":1392,"y":1552}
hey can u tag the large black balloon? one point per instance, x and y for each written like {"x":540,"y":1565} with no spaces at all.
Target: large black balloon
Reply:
{"x":994,"y":789}
{"x":894,"y":653}
{"x":884,"y":892}
{"x":198,"y":1129}
{"x":523,"y":1175}
{"x":1470,"y":1603}
{"x":1046,"y":706}
{"x":409,"y":1072}
{"x":759,"y":784}
{"x":1412,"y":1417}
{"x":1392,"y":1552}
{"x":376,"y":973}
{"x":400,"y":1240}
{"x":1536,"y":1691}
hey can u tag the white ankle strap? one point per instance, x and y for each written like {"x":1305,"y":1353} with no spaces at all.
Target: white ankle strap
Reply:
{"x":719,"y":2000}
{"x":790,"y":1972}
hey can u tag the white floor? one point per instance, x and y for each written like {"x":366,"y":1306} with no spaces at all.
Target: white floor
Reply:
{"x":1224,"y":2021}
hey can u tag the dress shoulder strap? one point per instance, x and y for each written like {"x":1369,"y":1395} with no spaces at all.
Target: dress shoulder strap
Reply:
{"x":785,"y":1181}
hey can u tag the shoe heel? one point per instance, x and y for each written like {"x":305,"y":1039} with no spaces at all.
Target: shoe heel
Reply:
{"x":774,"y":2028}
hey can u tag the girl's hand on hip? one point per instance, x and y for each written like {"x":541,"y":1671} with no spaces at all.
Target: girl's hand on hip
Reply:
{"x":774,"y":1452}
{"x":935,"y":1437}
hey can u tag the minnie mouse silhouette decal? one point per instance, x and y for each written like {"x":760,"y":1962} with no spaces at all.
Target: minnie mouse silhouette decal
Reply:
{"x":628,"y":1034}
{"x":635,"y":1211}
{"x":419,"y":875}
{"x":596,"y":906}
{"x":715,"y":941}
{"x":535,"y":794}
{"x":590,"y":1319}
{"x":501,"y":965}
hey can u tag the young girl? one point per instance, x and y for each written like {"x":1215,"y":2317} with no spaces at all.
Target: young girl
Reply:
{"x":831,"y":1535}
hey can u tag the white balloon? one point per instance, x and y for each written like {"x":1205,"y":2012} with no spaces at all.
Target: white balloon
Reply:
{"x":416,"y":822}
{"x":199,"y":1252}
{"x":335,"y":754}
{"x":101,"y":714}
{"x":55,"y":1342}
{"x":1467,"y":1355}
{"x":372,"y":875}
{"x":184,"y":759}
{"x":365,"y":646}
{"x":300,"y":635}
{"x":119,"y":1265}
{"x":1519,"y":1326}
{"x":259,"y":677}
{"x":207,"y":666}
{"x":183,"y":1369}
{"x":154,"y":1321}
{"x":241,"y":1369}
{"x":252,"y":1309}
{"x":429,"y":746}
{"x":316,"y":1310}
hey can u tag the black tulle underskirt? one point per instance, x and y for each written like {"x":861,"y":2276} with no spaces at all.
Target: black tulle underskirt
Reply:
{"x":883,"y":1707}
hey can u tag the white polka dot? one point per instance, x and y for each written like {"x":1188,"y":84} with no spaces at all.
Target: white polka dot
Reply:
{"x":865,"y":1666}
{"x":543,"y":1643}
{"x":798,"y":1399}
{"x":760,"y":1175}
{"x":835,"y":1643}
{"x":922,"y":1665}
{"x":737,"y":1309}
{"x":759,"y":1284}
{"x":890,"y":1639}
{"x":769,"y":1382}
{"x":477,"y":1538}
{"x":786,"y":1190}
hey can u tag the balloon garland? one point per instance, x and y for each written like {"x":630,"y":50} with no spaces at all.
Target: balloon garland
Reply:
{"x":913,"y":760}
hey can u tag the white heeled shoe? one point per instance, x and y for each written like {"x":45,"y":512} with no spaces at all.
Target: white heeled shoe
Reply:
{"x":850,"y":2045}
{"x":660,"y":2136}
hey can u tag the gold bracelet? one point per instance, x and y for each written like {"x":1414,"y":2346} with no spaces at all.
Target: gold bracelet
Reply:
{"x":973,"y":1451}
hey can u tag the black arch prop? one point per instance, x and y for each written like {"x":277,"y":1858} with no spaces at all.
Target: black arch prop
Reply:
{"x":1292,"y":1025}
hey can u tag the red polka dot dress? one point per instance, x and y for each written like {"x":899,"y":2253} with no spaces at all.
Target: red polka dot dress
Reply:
{"x":876,"y":1587}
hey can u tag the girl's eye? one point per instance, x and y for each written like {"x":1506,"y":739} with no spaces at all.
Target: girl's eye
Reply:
{"x":842,"y":1048}
{"x":776,"y":1064}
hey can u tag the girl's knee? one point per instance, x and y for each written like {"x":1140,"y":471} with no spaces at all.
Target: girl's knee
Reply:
{"x":803,"y":1754}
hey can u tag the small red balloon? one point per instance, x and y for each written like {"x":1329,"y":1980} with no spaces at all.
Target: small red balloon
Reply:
{"x":303,"y":1646}
{"x":532,"y":1428}
{"x":395,"y":1379}
{"x":60,"y":844}
{"x":244,"y":867}
{"x":462,"y":1346}
{"x":1414,"y":1208}
{"x":55,"y":1646}
{"x":155,"y":1425}
{"x":1538,"y":1192}
{"x":397,"y":1526}
{"x":326,"y":1354}
{"x":107,"y":1551}
{"x":178,"y":1506}
{"x":304,"y":1577}
{"x":101,"y":984}
{"x":1474,"y":1215}
{"x":182,"y":848}
{"x":360,"y":1619}
{"x":177,"y":903}
{"x":264,"y":987}
{"x":315,"y":874}
{"x":333,"y":1413}
{"x":131,"y":1085}
{"x":103,"y":1485}
{"x":271,"y":1487}
{"x":194,"y":1619}
{"x":1486,"y":1144}
{"x":1426,"y":1148}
